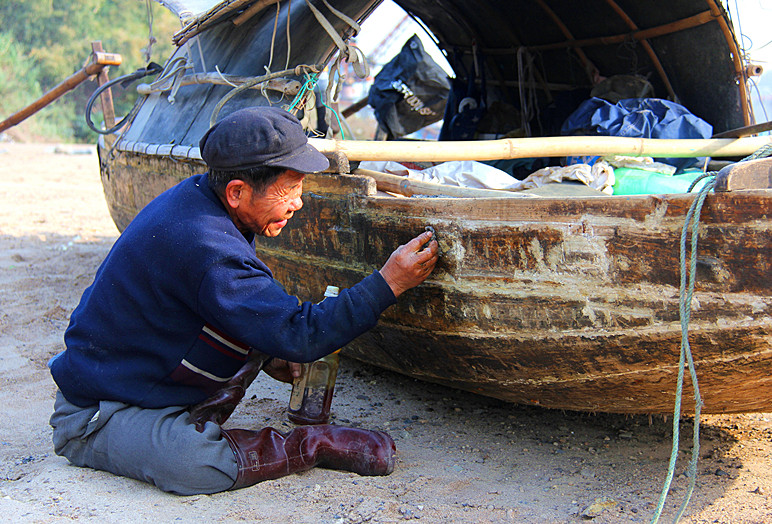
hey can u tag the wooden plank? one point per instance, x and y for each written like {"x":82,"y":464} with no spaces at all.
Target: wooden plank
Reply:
{"x":517,"y":345}
{"x":333,"y":184}
{"x":409,"y":187}
{"x":751,"y":174}
{"x":106,"y":97}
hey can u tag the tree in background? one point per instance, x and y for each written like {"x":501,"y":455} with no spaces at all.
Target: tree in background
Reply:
{"x":44,"y":41}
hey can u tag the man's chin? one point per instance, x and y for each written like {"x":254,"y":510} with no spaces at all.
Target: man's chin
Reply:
{"x":274,"y":229}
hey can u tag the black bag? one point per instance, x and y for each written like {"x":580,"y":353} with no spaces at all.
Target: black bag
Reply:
{"x":409,"y":92}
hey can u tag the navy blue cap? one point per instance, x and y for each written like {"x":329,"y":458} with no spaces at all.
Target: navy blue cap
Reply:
{"x":260,"y":136}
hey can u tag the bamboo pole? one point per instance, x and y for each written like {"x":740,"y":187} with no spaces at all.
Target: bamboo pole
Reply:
{"x":408,"y":151}
{"x":409,"y":187}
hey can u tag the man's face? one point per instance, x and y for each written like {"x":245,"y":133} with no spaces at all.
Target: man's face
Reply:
{"x":267,"y":213}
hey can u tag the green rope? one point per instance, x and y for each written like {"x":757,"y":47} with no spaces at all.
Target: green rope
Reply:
{"x":762,"y":152}
{"x":249,"y":84}
{"x":686,"y":314}
{"x":684,"y":305}
{"x":340,"y":124}
{"x":309,"y":84}
{"x":685,"y":302}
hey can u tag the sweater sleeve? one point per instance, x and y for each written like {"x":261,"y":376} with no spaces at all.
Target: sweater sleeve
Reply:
{"x":245,"y":302}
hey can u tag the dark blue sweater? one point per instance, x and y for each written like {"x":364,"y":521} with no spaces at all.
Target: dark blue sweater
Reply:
{"x":181,"y":300}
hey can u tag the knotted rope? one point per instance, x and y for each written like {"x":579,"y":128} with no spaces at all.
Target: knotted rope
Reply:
{"x":297,"y":71}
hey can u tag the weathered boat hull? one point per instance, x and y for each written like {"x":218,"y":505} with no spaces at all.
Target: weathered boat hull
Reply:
{"x":563,"y":303}
{"x":569,"y":303}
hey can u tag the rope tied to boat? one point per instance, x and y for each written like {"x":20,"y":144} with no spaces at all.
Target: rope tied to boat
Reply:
{"x":686,"y":293}
{"x":306,"y":97}
{"x":299,"y":70}
{"x":346,"y":52}
{"x":349,"y":51}
{"x":762,"y":152}
{"x":174,"y":72}
{"x":151,"y":69}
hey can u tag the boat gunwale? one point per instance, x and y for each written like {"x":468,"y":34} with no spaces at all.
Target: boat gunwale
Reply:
{"x":558,"y":209}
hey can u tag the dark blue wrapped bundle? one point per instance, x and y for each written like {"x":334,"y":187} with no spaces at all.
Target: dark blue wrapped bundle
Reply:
{"x":639,"y":118}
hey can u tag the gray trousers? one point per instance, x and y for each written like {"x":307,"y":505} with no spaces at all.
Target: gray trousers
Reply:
{"x":158,"y":446}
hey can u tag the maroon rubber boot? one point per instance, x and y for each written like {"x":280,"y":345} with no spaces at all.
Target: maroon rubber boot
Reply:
{"x":268,"y":454}
{"x":220,"y":406}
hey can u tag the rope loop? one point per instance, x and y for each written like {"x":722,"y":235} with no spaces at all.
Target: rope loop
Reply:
{"x":686,"y":293}
{"x":151,"y":69}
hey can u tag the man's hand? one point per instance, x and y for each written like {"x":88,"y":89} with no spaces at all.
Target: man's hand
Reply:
{"x":409,"y":265}
{"x":282,"y":370}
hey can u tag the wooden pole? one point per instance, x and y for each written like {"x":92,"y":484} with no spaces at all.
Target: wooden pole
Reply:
{"x":99,"y":61}
{"x":409,"y":151}
{"x":284,"y":85}
{"x":106,"y":98}
{"x":645,"y":34}
{"x":253,"y":10}
{"x":745,"y":131}
{"x":409,"y":187}
{"x":355,"y":107}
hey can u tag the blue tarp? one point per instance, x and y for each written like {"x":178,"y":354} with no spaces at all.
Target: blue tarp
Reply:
{"x":640,"y":118}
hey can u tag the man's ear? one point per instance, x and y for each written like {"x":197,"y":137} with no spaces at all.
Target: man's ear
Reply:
{"x":235,"y":192}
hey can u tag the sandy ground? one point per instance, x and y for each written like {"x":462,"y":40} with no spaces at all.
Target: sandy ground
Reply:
{"x":462,"y":458}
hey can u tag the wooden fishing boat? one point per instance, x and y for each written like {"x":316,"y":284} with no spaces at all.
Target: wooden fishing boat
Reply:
{"x":568,"y":301}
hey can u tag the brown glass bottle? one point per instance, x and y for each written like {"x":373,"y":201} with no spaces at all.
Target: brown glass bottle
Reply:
{"x":312,"y":392}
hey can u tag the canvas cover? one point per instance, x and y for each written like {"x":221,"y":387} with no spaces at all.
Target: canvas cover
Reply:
{"x":185,"y":9}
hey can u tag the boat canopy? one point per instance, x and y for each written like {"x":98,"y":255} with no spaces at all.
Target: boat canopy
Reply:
{"x":685,"y":48}
{"x":540,"y":57}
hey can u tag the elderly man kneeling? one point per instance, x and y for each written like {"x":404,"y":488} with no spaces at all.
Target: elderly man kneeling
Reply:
{"x":182,"y":316}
